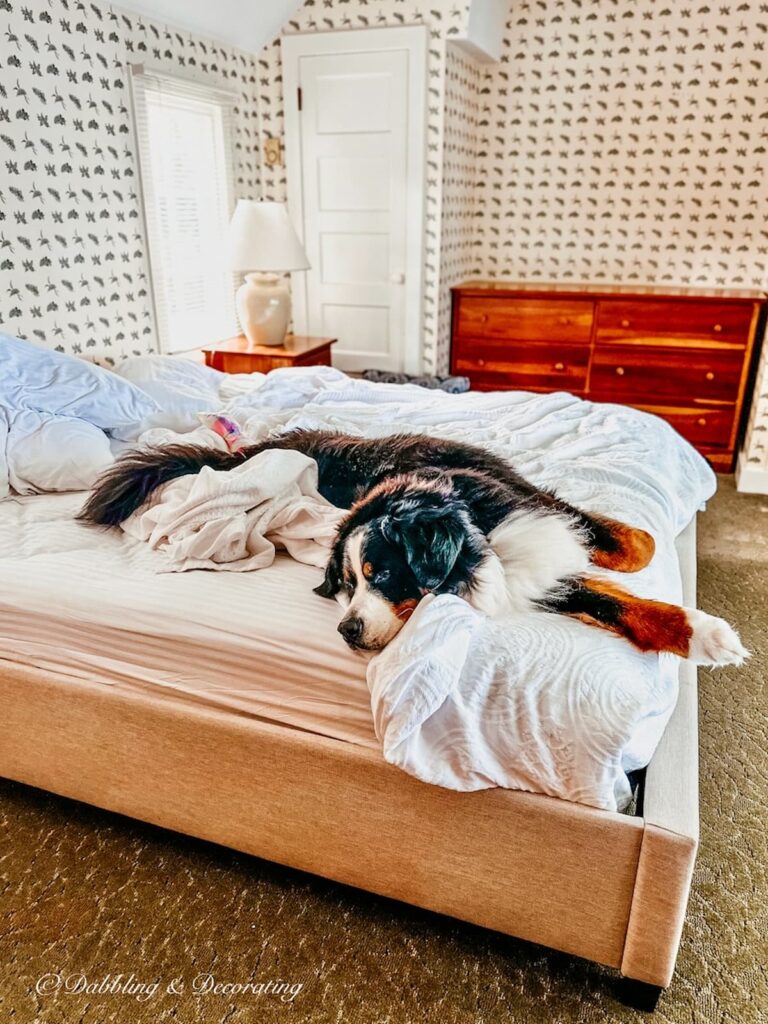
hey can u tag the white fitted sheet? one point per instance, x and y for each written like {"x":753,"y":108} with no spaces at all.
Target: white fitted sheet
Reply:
{"x":89,"y":604}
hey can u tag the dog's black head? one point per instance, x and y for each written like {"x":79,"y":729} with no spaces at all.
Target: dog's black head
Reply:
{"x":406,"y":538}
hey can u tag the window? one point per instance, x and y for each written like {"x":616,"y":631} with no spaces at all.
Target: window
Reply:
{"x":184,"y":141}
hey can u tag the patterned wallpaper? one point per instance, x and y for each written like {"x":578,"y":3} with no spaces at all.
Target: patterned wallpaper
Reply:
{"x":458,"y":258}
{"x":73,"y":267}
{"x":627,"y":140}
{"x":446,"y":20}
{"x":755,"y":451}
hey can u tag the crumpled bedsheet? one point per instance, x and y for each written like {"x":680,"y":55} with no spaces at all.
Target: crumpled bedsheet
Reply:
{"x":234,"y":519}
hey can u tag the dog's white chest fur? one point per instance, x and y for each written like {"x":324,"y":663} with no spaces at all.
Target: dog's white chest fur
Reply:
{"x":530,"y":553}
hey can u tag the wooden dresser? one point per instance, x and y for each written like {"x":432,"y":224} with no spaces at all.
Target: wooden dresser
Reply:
{"x":684,"y":354}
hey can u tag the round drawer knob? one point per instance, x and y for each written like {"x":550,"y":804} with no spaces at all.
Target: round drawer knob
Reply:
{"x":701,"y":421}
{"x":484,"y":318}
{"x":717,"y":328}
{"x":709,"y":375}
{"x":559,"y":366}
{"x":620,"y":371}
{"x":625,"y":323}
{"x":481,"y":362}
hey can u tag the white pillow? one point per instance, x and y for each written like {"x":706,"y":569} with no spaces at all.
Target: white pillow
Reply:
{"x":55,"y":453}
{"x":180,"y":388}
{"x":37,"y":378}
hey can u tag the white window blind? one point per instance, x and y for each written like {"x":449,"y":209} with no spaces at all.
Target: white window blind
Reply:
{"x":184,"y":138}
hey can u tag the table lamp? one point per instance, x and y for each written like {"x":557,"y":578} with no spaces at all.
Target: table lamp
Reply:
{"x":263,"y":243}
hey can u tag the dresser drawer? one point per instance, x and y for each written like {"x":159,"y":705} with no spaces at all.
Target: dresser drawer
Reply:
{"x":718,"y":322}
{"x":525,"y":319}
{"x":710,"y":428}
{"x":530,"y":365}
{"x":640,"y":371}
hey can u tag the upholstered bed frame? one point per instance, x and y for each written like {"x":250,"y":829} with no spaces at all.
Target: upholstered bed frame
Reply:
{"x":608,"y":887}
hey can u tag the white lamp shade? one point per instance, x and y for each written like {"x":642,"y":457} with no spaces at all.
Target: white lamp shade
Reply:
{"x":261,"y":238}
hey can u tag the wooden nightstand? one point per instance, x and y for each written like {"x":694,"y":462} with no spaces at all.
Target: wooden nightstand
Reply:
{"x":234,"y":355}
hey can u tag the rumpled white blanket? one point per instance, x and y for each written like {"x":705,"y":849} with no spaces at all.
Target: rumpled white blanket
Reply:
{"x":539,"y":702}
{"x":466,"y":703}
{"x":234,"y":519}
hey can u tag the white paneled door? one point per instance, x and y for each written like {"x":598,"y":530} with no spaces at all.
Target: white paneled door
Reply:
{"x":356,"y":178}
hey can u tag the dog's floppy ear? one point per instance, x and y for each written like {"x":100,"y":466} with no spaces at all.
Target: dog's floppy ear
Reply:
{"x":331,"y":585}
{"x":432,"y":538}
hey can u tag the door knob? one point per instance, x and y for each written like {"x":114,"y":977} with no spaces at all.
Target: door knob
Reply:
{"x":398,"y":277}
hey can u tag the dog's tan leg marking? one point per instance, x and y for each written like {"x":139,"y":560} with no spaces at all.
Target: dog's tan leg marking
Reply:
{"x":649,"y":625}
{"x":657,"y":626}
{"x":634,"y":548}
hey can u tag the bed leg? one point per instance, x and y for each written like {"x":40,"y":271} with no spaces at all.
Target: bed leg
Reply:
{"x":638,"y":995}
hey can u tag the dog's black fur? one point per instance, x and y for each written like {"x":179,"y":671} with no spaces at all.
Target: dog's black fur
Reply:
{"x":348,"y":468}
{"x":429,"y":505}
{"x":424,"y":516}
{"x":437,"y":523}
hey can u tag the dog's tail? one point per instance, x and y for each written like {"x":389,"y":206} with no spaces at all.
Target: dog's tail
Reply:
{"x":134,"y":477}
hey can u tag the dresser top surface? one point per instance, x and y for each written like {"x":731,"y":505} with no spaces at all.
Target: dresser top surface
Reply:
{"x":592,"y":291}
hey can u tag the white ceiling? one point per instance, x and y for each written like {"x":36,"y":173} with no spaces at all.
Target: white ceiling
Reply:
{"x":247,"y":24}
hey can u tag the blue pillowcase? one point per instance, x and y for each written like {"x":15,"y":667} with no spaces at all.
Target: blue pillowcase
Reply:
{"x":37,"y":378}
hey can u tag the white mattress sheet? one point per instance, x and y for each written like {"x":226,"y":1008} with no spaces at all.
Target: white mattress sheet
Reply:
{"x":89,"y":604}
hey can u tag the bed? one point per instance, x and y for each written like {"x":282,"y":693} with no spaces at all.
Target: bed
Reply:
{"x":156,"y":702}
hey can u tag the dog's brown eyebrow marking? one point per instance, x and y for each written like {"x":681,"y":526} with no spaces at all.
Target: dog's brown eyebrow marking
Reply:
{"x":367,"y":570}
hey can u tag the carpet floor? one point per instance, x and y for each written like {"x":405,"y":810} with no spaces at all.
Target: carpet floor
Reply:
{"x":91,"y":894}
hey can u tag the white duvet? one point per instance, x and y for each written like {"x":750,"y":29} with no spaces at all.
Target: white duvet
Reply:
{"x":539,"y":702}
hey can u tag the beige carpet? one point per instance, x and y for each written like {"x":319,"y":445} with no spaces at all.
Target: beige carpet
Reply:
{"x":85,"y":892}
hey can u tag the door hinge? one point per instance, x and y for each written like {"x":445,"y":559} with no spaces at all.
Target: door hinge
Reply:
{"x":298,"y":96}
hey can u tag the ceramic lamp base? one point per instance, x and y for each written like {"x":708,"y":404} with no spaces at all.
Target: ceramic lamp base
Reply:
{"x":264,"y":309}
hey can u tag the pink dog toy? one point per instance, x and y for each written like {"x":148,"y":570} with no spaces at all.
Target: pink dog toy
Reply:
{"x":227,"y":430}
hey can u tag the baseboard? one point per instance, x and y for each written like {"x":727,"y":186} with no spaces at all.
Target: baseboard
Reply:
{"x":750,"y":479}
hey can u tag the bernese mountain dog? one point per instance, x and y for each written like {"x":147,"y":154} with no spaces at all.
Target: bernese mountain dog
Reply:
{"x":431,"y":516}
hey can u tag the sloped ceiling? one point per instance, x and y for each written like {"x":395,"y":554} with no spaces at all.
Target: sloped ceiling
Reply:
{"x":247,"y":24}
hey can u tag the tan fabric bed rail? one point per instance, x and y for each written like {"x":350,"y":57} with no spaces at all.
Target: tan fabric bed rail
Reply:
{"x":542,"y":869}
{"x":671,"y":817}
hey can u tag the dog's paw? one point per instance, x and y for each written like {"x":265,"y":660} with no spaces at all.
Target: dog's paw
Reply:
{"x":713,"y":641}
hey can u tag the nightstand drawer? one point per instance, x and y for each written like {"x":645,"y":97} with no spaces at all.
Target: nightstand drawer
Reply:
{"x":515,"y":365}
{"x":526,"y":319}
{"x":637,"y":372}
{"x":710,"y":321}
